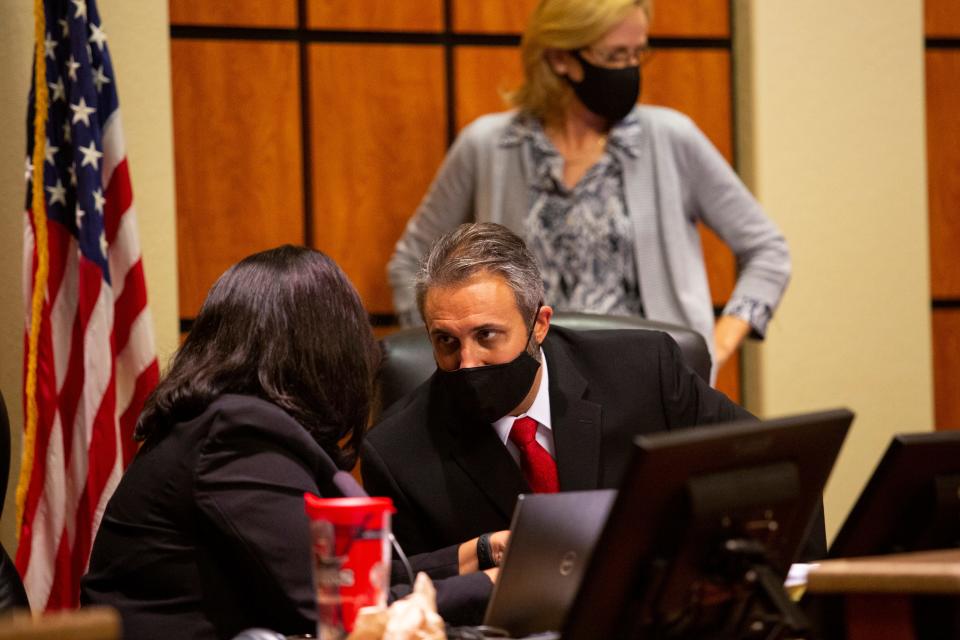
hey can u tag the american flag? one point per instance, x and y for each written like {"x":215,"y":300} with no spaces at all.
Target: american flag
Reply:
{"x":90,"y":362}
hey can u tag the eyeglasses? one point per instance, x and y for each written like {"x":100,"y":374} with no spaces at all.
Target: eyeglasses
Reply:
{"x":620,"y":57}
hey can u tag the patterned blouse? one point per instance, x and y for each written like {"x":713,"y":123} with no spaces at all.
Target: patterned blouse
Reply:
{"x":582,"y":237}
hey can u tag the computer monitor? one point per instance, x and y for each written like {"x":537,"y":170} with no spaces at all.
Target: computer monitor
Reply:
{"x":910,"y":503}
{"x":704,"y":528}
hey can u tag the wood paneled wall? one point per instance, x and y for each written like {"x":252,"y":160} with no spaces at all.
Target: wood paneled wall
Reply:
{"x":371,"y":104}
{"x":323,"y":121}
{"x":238,"y":169}
{"x":942,"y":25}
{"x":385,"y":15}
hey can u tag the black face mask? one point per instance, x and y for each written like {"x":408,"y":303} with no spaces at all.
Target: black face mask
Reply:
{"x":491,"y":391}
{"x":609,"y":93}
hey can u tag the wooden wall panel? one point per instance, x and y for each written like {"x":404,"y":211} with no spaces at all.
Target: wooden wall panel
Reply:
{"x":683,"y":18}
{"x":728,"y":378}
{"x":721,"y":266}
{"x":235,"y":13}
{"x":376,"y":15}
{"x":239,"y":183}
{"x":942,"y":18}
{"x":482,"y":74}
{"x":696,"y":82}
{"x":943,"y":166}
{"x":379,"y":134}
{"x":946,"y":368}
{"x":491,"y":16}
{"x":691,"y":18}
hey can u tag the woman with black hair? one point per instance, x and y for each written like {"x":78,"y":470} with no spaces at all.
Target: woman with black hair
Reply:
{"x":267,"y":398}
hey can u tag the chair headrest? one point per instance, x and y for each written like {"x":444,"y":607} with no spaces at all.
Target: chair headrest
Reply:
{"x":408,"y":356}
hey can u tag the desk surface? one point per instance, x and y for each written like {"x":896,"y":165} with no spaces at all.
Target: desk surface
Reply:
{"x":90,"y":623}
{"x":922,"y":572}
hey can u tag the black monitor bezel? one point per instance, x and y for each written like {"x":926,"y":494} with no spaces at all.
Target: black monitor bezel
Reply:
{"x":878,"y":521}
{"x":658,"y":474}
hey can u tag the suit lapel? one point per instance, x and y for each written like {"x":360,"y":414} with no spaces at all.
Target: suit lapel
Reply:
{"x":483,"y":457}
{"x":478,"y":451}
{"x":576,"y":422}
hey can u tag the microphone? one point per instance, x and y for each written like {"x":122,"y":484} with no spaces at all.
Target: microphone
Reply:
{"x":350,"y":488}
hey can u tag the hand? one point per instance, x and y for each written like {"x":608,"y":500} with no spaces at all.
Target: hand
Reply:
{"x":498,"y":544}
{"x":727,"y":336}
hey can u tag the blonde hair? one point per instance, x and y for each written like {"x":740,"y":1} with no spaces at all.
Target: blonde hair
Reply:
{"x":568,"y":25}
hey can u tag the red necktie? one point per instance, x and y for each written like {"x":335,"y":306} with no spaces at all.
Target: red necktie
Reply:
{"x":538,"y":467}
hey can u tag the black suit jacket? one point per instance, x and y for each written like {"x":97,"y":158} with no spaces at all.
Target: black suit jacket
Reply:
{"x":206,"y":534}
{"x":452,"y":478}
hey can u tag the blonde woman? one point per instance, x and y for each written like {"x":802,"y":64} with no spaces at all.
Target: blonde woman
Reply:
{"x":606,"y":193}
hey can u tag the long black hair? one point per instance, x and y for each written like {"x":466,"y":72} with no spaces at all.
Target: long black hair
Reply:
{"x":284,"y":325}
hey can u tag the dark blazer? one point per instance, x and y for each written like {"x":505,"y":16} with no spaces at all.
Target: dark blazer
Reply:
{"x":206,"y":534}
{"x":452,"y":479}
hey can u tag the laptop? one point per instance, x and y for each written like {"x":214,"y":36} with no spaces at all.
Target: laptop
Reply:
{"x":551,"y":541}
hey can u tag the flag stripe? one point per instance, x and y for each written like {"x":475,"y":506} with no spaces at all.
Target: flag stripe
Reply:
{"x":58,"y":596}
{"x":119,"y":198}
{"x":73,"y":395}
{"x":47,"y":430}
{"x":96,"y":383}
{"x":64,"y":304}
{"x":29,"y":266}
{"x":129,"y":305}
{"x":60,"y":242}
{"x":126,"y":252}
{"x":45,"y":535}
{"x":96,"y":389}
{"x":146,"y":381}
{"x":114,"y":147}
{"x":135,"y":357}
{"x":104,"y":442}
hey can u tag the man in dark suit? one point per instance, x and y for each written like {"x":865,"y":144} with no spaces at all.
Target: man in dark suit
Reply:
{"x":455,"y":453}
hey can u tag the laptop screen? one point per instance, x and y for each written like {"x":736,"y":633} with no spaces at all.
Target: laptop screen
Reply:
{"x":552,"y":536}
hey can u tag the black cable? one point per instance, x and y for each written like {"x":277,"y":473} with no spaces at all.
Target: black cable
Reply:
{"x":403,"y":558}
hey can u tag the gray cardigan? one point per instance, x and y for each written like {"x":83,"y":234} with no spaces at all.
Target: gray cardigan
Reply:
{"x":677,"y":180}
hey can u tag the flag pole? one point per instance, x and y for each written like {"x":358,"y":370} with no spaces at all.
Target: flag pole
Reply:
{"x":39,"y":209}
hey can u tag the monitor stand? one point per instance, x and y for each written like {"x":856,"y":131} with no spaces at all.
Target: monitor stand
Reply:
{"x":758,"y":607}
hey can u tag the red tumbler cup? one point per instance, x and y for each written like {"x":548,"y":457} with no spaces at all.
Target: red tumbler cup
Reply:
{"x":351,"y":558}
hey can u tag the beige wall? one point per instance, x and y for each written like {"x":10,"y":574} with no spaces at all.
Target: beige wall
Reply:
{"x":831,"y":123}
{"x":139,"y":43}
{"x":14,"y":84}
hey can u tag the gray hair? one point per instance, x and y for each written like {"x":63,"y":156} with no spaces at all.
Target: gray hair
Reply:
{"x":482,"y":247}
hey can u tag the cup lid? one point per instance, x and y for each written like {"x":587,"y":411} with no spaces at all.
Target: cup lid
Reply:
{"x":317,"y":507}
